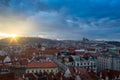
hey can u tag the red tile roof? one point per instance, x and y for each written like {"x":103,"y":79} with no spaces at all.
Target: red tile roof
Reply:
{"x":50,"y":51}
{"x":83,"y":73}
{"x":23,"y":62}
{"x":94,"y":54}
{"x":41,"y":65}
{"x":30,"y":51}
{"x":71,"y":50}
{"x":2,"y":57}
{"x":82,"y":53}
{"x":110,"y":73}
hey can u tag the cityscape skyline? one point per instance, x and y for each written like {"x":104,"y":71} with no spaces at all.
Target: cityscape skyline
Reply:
{"x":61,"y":19}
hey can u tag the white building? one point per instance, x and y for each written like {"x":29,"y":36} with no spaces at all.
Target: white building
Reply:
{"x":79,"y":61}
{"x":7,"y":59}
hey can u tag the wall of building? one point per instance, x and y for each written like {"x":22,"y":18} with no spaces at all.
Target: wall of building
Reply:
{"x":18,"y":72}
{"x":108,"y":63}
{"x":87,"y":65}
{"x":37,"y":70}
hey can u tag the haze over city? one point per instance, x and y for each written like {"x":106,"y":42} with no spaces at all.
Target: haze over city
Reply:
{"x":61,"y":19}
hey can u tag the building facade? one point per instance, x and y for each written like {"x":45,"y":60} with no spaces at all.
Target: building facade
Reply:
{"x":78,"y":61}
{"x":109,"y":61}
{"x":37,"y":67}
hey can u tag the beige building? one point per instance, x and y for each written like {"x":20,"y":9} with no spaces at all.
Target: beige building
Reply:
{"x":36,"y":67}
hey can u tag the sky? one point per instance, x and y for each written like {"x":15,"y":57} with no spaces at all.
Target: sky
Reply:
{"x":61,"y":19}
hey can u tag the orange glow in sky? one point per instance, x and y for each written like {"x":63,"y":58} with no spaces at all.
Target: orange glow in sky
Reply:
{"x":8,"y":35}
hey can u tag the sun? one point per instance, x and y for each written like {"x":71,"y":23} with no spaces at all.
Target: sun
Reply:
{"x":13,"y":38}
{"x":13,"y":35}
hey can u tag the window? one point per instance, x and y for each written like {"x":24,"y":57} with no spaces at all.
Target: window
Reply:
{"x":43,"y":70}
{"x":81,"y":63}
{"x":72,"y":63}
{"x":51,"y":70}
{"x":47,"y":70}
{"x":84,"y":63}
{"x":88,"y":63}
{"x":91,"y":63}
{"x":39,"y":70}
{"x":36,"y":71}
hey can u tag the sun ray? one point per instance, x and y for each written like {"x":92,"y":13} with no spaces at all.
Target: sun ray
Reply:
{"x":13,"y":38}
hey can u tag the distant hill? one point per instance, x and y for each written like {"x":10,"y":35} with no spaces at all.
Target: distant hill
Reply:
{"x":24,"y":40}
{"x":38,"y":41}
{"x":47,"y":42}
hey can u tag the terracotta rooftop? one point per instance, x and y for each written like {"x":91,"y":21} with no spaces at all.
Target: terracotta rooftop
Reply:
{"x":50,"y":51}
{"x":110,"y":73}
{"x":41,"y":65}
{"x":30,"y":51}
{"x":2,"y":57}
{"x":94,"y":54}
{"x":82,"y":53}
{"x":83,"y":73}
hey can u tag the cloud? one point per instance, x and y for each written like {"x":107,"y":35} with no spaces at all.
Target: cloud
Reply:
{"x":52,"y":25}
{"x":15,"y":24}
{"x":65,"y":19}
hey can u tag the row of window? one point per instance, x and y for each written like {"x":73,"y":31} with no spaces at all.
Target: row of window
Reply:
{"x":37,"y":71}
{"x":79,"y":64}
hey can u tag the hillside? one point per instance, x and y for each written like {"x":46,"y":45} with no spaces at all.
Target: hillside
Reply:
{"x":35,"y":41}
{"x":24,"y":40}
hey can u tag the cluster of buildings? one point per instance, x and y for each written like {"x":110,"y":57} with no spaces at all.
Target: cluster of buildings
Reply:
{"x":90,"y":61}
